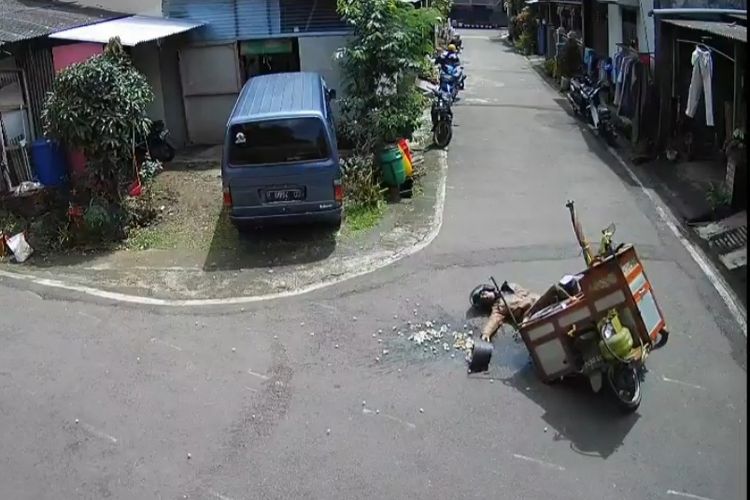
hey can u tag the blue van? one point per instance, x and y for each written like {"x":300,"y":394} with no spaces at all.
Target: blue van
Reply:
{"x":280,"y":162}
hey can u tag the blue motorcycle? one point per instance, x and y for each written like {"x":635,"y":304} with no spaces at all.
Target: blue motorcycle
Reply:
{"x":452,"y":79}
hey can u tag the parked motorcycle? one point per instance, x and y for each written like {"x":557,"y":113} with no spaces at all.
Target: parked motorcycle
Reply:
{"x":452,"y":76}
{"x":452,"y":80}
{"x":583,"y":96}
{"x":156,"y":144}
{"x":442,"y":118}
{"x":456,"y":40}
{"x":458,"y":72}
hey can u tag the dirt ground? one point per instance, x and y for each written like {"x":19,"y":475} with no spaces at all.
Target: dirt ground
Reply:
{"x":191,"y":213}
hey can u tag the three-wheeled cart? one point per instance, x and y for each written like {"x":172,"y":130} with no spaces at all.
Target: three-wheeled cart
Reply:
{"x":557,"y":319}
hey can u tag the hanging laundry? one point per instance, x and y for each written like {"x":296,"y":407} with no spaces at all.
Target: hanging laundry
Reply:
{"x":622,"y":62}
{"x":624,"y":106}
{"x":701,"y":82}
{"x":589,"y":60}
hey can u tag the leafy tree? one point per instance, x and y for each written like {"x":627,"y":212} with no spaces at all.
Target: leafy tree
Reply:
{"x":390,"y":42}
{"x":99,"y":107}
{"x":443,"y":7}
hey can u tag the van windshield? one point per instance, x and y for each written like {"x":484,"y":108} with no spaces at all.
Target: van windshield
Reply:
{"x":278,"y":141}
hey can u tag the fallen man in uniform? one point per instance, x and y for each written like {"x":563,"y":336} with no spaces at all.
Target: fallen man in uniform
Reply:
{"x":517,"y":301}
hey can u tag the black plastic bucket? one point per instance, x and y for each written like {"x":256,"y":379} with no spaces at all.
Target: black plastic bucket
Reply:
{"x":481,"y":354}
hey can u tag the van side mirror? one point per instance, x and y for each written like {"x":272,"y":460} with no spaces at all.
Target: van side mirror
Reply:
{"x":331,"y":94}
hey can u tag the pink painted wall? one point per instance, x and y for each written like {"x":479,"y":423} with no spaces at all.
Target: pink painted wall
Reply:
{"x":65,"y":55}
{"x":62,"y":57}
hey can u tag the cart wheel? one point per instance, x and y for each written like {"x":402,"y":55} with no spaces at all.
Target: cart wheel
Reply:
{"x":625,"y":386}
{"x":662,"y":340}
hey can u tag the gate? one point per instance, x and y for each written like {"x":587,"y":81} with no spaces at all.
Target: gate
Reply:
{"x":211,"y":82}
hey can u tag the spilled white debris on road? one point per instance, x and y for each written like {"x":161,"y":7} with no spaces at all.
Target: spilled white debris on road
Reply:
{"x":435,"y":339}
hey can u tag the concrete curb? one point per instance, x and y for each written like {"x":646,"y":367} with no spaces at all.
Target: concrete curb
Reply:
{"x":368,"y":265}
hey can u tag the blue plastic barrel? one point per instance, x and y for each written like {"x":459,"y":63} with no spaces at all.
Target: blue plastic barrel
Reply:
{"x":49,"y":162}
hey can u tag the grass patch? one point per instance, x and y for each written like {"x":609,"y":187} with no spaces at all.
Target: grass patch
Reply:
{"x":193,"y":219}
{"x":360,"y":218}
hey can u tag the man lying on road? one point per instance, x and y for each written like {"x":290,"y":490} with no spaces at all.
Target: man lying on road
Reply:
{"x":518,"y":299}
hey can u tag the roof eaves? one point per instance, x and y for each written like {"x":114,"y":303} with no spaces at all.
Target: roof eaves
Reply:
{"x":24,"y":20}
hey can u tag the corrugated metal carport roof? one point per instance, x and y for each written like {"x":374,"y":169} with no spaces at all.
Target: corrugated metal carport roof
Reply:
{"x":26,"y":19}
{"x":131,"y":30}
{"x":729,"y":30}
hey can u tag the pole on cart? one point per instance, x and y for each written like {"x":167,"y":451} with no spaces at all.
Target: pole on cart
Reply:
{"x":579,"y":233}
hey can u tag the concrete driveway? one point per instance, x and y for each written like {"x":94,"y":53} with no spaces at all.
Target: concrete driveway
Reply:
{"x":286,"y":399}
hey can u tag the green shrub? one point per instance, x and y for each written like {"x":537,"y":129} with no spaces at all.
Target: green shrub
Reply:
{"x":525,"y":25}
{"x":526,"y":44}
{"x":718,"y":196}
{"x":99,"y":107}
{"x":386,"y":52}
{"x":149,"y":169}
{"x":443,"y":7}
{"x":361,"y":182}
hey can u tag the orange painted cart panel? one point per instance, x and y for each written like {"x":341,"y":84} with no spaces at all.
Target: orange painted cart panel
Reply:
{"x":618,"y":282}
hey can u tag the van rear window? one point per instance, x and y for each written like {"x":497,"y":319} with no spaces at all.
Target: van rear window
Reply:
{"x":278,"y":141}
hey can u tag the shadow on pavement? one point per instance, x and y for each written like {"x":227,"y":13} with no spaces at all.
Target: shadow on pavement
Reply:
{"x":591,"y":422}
{"x":592,"y":425}
{"x":231,"y":249}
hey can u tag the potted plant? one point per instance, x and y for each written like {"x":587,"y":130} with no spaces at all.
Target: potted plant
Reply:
{"x":736,"y":152}
{"x":719,"y":200}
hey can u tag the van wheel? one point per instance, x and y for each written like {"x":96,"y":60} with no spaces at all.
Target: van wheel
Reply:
{"x":244,"y":228}
{"x":334,"y":225}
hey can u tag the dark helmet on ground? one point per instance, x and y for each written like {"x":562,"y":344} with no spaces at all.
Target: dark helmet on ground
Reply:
{"x":483,"y":296}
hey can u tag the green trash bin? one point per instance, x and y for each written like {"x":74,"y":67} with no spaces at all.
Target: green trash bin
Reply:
{"x":392,"y":166}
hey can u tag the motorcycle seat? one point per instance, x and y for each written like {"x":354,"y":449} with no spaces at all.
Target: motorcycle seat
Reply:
{"x":575,"y":84}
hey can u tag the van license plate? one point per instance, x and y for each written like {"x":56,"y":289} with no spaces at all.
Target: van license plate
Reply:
{"x":284,"y":195}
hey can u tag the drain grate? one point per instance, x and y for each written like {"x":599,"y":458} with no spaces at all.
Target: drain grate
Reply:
{"x":729,"y":240}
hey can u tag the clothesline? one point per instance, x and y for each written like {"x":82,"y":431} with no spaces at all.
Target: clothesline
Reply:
{"x":701,"y":44}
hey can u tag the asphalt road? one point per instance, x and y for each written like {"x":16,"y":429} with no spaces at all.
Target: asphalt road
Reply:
{"x":99,"y":400}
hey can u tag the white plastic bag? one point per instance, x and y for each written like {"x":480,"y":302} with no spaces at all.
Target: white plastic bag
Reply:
{"x":20,"y":248}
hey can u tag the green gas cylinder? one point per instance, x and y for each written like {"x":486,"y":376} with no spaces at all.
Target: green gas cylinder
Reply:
{"x":618,"y":339}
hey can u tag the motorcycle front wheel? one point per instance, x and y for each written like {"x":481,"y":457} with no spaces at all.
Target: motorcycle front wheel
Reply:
{"x":625,"y":385}
{"x":573,"y":104}
{"x":608,"y":134}
{"x":442,"y":134}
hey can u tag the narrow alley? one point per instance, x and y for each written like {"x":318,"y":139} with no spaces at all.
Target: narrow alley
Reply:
{"x":317,"y":397}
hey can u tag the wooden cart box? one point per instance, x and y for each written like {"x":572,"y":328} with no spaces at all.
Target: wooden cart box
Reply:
{"x":552,"y":323}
